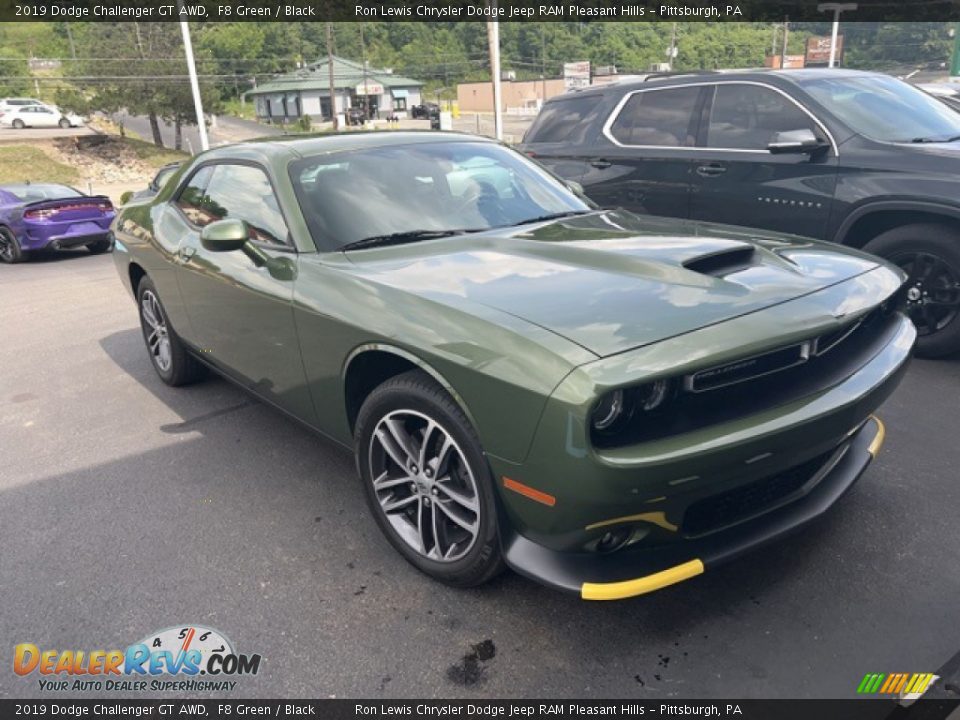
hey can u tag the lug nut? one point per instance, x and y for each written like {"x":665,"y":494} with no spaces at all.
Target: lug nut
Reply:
{"x":428,"y":472}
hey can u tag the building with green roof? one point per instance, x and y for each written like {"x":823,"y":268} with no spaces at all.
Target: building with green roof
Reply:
{"x":306,"y":91}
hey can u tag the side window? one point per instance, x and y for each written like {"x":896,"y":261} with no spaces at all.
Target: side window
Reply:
{"x":242,"y":191}
{"x":193,"y":201}
{"x":565,"y":120}
{"x":746,"y":117}
{"x":657,"y":117}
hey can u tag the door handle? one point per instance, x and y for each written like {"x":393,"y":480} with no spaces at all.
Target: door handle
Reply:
{"x":600,"y":164}
{"x":711,"y":170}
{"x":185,"y":253}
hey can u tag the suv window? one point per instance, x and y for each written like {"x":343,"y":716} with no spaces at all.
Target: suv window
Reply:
{"x":657,"y":117}
{"x":565,"y":120}
{"x":746,"y":117}
{"x":244,"y":192}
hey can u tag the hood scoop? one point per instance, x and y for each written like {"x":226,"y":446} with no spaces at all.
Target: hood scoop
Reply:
{"x":723,"y":262}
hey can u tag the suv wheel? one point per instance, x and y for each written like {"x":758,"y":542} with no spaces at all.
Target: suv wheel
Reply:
{"x":427,"y":481}
{"x":930,"y":255}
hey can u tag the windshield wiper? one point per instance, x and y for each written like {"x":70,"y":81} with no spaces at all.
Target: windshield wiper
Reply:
{"x":935,"y":140}
{"x":554,"y":216}
{"x":399,"y":238}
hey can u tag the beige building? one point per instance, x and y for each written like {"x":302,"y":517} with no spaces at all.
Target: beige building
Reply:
{"x":478,"y":96}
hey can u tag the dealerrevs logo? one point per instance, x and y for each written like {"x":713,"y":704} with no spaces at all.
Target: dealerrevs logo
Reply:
{"x":171,"y":659}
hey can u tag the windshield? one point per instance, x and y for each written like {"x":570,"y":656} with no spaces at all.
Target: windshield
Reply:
{"x":424,"y":188}
{"x":887,"y":109}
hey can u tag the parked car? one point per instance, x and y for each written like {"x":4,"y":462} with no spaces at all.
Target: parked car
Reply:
{"x":947,"y":93}
{"x":48,"y":216}
{"x":859,"y":158}
{"x":425,"y":111}
{"x":159,"y":180}
{"x":356,"y":116}
{"x":605,"y":402}
{"x":9,"y":103}
{"x":38,"y":116}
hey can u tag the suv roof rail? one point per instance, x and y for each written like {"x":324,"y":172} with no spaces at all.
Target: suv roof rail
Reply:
{"x":678,"y":73}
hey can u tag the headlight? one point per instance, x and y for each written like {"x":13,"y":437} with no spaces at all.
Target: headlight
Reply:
{"x":608,"y":410}
{"x":618,"y":406}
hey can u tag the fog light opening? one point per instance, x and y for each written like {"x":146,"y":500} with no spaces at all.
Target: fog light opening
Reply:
{"x":613,"y":540}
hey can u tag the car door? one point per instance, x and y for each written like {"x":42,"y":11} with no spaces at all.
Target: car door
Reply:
{"x":643,"y":160}
{"x":737,"y":180}
{"x":43,"y":116}
{"x":561,"y":136}
{"x":239,"y":303}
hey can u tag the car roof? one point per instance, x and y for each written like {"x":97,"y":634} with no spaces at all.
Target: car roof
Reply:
{"x":774,"y":77}
{"x":307,"y":145}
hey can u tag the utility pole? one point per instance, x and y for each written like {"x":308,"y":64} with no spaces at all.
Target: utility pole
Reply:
{"x":333,"y":87}
{"x":786,"y":39}
{"x":543,"y":60}
{"x":672,"y":52}
{"x":363,"y":58}
{"x":194,"y":85}
{"x":493,"y":38}
{"x":773,"y":43}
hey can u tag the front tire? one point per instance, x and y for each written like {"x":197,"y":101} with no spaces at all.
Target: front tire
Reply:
{"x":427,"y":481}
{"x":930,"y":255}
{"x":168,"y":354}
{"x":64,"y":123}
{"x":10,"y":251}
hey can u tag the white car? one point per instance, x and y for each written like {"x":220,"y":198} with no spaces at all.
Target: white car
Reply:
{"x":38,"y":116}
{"x":11,"y":103}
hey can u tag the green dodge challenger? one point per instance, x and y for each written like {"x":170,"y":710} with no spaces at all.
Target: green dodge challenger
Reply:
{"x":605,"y":403}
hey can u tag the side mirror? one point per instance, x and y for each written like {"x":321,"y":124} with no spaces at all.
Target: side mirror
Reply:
{"x":795,"y":141}
{"x":225,"y":235}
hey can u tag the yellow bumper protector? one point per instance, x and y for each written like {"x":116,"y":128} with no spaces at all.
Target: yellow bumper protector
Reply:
{"x":640,"y":586}
{"x":878,"y":438}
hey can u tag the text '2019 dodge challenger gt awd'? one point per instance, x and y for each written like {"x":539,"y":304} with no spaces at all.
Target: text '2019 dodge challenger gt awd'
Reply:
{"x":606,"y":403}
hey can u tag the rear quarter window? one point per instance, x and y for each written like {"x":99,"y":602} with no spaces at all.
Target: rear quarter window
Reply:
{"x":565,"y":120}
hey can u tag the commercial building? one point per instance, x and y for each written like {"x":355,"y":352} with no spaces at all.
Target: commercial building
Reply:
{"x":306,"y":91}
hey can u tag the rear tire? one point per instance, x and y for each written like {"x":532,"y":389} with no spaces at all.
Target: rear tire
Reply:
{"x":930,"y":255}
{"x":168,"y":355}
{"x":100,"y":246}
{"x":18,"y":124}
{"x":436,"y":505}
{"x":10,"y":251}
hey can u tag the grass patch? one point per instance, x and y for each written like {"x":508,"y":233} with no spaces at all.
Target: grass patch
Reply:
{"x":150,"y":153}
{"x":19,"y":163}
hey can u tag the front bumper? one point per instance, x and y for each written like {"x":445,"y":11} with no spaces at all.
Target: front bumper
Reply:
{"x":633,"y":572}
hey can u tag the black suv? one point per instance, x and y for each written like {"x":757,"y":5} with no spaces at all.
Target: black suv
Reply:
{"x":858,"y":158}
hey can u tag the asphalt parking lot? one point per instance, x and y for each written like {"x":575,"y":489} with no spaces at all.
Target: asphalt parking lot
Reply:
{"x":127,"y":506}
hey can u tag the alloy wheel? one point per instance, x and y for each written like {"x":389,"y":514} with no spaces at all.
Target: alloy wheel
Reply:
{"x":6,"y":247}
{"x":933,"y":290}
{"x":158,"y":336}
{"x":424,"y":485}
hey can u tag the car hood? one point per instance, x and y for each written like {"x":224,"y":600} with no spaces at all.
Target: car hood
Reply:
{"x":611,"y":281}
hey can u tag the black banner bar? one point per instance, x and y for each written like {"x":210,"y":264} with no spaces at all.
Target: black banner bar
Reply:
{"x":630,"y":709}
{"x":470,"y":10}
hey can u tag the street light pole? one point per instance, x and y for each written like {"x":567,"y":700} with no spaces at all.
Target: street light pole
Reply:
{"x":836,"y":8}
{"x":194,"y":85}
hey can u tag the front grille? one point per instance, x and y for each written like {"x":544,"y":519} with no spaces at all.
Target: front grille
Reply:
{"x":758,"y":366}
{"x":720,"y":511}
